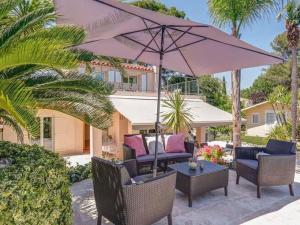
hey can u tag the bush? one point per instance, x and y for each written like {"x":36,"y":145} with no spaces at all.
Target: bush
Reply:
{"x":35,"y":188}
{"x":255,"y":140}
{"x":281,"y":132}
{"x":80,"y":172}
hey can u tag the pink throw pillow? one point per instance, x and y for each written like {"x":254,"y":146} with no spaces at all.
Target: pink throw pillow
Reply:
{"x":136,"y":142}
{"x":175,"y":143}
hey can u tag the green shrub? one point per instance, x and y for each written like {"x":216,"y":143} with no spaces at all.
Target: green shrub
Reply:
{"x":255,"y":140}
{"x":281,"y":132}
{"x":34,"y":190}
{"x":80,"y":172}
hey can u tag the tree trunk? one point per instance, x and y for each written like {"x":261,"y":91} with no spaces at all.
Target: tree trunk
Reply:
{"x":294,"y":86}
{"x":236,"y":107}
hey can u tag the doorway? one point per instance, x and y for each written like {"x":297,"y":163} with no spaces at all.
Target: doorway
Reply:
{"x":86,"y":139}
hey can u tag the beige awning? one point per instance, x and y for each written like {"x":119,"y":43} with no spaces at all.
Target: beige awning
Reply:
{"x":141,"y":111}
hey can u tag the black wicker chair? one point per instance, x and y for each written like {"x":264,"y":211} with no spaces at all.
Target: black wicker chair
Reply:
{"x":276,"y":168}
{"x":126,"y":203}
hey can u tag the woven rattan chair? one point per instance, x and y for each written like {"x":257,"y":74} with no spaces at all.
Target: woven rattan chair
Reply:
{"x":126,"y":203}
{"x":275,"y":167}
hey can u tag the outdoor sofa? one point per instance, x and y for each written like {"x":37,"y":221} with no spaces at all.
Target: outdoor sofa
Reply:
{"x":270,"y":166}
{"x":124,"y":198}
{"x":164,"y":158}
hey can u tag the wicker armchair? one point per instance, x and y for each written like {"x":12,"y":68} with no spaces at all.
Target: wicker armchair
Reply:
{"x":277,"y":167}
{"x":126,"y":203}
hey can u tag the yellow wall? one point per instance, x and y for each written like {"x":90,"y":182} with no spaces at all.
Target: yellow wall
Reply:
{"x":119,"y":128}
{"x":68,"y":132}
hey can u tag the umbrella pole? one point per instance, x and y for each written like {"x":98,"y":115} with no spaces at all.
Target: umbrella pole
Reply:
{"x":157,"y":124}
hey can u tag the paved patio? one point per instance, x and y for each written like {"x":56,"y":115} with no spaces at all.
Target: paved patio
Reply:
{"x":240,"y":207}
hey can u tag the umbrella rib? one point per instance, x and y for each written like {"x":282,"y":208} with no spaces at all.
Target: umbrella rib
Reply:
{"x":182,"y":46}
{"x":139,"y":43}
{"x":211,"y":39}
{"x":141,"y":30}
{"x":187,"y":63}
{"x":147,"y":46}
{"x":150,"y":33}
{"x":177,"y":39}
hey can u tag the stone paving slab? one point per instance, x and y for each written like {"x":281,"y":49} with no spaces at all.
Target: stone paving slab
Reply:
{"x":276,"y":207}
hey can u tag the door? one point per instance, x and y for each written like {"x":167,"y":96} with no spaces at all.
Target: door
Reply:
{"x":144,"y":82}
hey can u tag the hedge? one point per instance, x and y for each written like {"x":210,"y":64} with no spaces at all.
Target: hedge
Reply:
{"x":80,"y":172}
{"x":34,"y":190}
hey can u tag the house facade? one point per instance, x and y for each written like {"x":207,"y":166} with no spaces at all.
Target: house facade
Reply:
{"x":135,"y":112}
{"x":261,"y":118}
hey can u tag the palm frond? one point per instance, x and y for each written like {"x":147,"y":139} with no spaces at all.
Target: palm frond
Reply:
{"x":176,"y":115}
{"x":61,"y":35}
{"x":71,"y":81}
{"x":24,"y":23}
{"x":9,"y":121}
{"x":38,"y":52}
{"x":87,"y":57}
{"x":18,"y":71}
{"x":93,"y":110}
{"x":239,"y":13}
{"x":17,"y":101}
{"x":7,"y":6}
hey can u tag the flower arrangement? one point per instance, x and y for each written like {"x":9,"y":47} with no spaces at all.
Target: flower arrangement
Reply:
{"x":212,"y":153}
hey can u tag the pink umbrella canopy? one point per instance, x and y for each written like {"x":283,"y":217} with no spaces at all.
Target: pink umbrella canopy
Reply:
{"x":119,"y":30}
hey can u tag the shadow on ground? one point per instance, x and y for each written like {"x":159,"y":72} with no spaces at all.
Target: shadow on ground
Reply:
{"x":240,"y":207}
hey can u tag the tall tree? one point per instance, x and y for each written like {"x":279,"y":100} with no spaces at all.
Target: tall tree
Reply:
{"x":291,"y":14}
{"x":237,"y":14}
{"x":212,"y":89}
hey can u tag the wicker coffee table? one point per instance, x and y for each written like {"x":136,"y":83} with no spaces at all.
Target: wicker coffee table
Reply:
{"x":196,"y":182}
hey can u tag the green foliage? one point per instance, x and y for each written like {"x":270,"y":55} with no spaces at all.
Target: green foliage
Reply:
{"x":239,"y":13}
{"x":255,"y":140}
{"x":80,"y":172}
{"x":280,"y":99}
{"x":281,"y":132}
{"x":213,"y":89}
{"x":33,"y":63}
{"x":176,"y":115}
{"x":159,"y":7}
{"x":35,"y":188}
{"x":262,"y":87}
{"x":220,"y":132}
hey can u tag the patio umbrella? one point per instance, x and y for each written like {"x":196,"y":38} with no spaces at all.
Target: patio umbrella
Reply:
{"x":119,"y":30}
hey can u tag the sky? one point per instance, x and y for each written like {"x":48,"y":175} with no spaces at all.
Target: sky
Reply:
{"x":259,"y":34}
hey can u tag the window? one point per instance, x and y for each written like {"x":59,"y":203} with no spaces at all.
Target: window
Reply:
{"x":255,"y":118}
{"x":81,"y":70}
{"x":111,"y":76}
{"x":98,"y":75}
{"x":118,"y":77}
{"x":45,"y":135}
{"x":47,"y":127}
{"x":130,"y":80}
{"x":114,"y":76}
{"x":270,"y":117}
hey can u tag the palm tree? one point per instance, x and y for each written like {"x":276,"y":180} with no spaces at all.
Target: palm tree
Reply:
{"x":33,"y":63}
{"x":238,"y":14}
{"x":176,"y":116}
{"x":291,"y":14}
